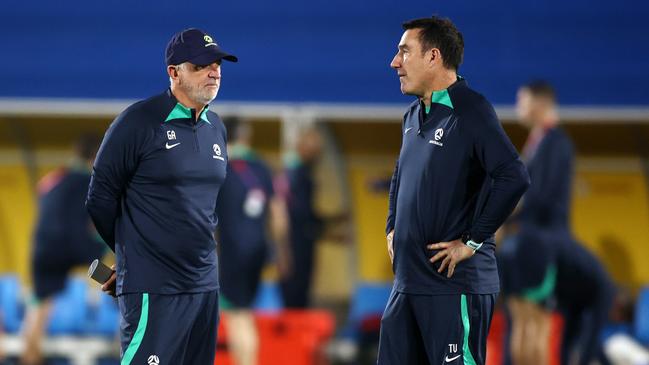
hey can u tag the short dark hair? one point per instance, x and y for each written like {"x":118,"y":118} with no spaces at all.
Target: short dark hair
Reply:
{"x":440,"y":33}
{"x":541,"y":88}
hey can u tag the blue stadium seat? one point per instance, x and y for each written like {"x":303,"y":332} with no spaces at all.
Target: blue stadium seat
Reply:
{"x":642,"y":317}
{"x":612,"y":329}
{"x":269,"y":298}
{"x":11,"y":308}
{"x":70,"y":309}
{"x":105,"y":321}
{"x":369,"y":301}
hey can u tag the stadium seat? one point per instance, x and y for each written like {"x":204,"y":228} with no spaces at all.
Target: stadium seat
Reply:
{"x":293,"y":337}
{"x":11,"y":308}
{"x":642,"y":317}
{"x":70,"y":309}
{"x":269,"y":298}
{"x":288,"y":337}
{"x":105,"y":320}
{"x":368,"y":303}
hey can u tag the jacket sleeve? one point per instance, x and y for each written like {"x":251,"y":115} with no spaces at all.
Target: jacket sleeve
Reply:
{"x":392,"y":200}
{"x":509,"y":178}
{"x":113,"y":168}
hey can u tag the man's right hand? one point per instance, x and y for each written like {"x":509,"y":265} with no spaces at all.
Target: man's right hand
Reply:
{"x":390,"y":246}
{"x":109,"y":286}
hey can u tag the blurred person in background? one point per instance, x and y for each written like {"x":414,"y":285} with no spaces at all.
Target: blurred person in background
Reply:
{"x":578,"y":286}
{"x":64,"y":238}
{"x":457,"y":178}
{"x":549,"y":156}
{"x":152,"y":197}
{"x":248,"y":212}
{"x":306,"y":225}
{"x":585,"y":293}
{"x":547,"y":268}
{"x":531,"y":272}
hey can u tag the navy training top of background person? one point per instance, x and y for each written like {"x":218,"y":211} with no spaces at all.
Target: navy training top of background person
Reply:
{"x":306,"y":227}
{"x":153,"y":196}
{"x":64,"y":235}
{"x":457,"y":173}
{"x":243,"y":213}
{"x":549,"y":161}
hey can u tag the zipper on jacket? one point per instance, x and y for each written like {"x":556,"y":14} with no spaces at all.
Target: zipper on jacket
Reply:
{"x":196,"y":145}
{"x":194,"y":124}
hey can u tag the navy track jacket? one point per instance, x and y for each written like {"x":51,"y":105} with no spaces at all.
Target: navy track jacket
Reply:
{"x":153,"y":193}
{"x":457,"y":173}
{"x":547,"y":202}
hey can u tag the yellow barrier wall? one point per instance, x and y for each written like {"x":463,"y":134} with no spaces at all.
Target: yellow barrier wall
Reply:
{"x":17,"y":209}
{"x":611,"y":216}
{"x":370,"y":210}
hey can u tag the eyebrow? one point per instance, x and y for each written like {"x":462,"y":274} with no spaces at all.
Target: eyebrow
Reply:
{"x":402,"y":46}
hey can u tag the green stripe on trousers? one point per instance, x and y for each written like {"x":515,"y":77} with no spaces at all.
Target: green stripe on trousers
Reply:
{"x":139,"y":332}
{"x":468,"y":357}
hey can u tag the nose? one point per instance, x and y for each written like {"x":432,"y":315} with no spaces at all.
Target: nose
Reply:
{"x":215,"y":70}
{"x":396,"y":62}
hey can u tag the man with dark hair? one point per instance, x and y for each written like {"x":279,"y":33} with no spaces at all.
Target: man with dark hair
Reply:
{"x":540,"y":222}
{"x":548,"y":267}
{"x":64,"y":238}
{"x":153,"y":197}
{"x":457,"y":179}
{"x":547,"y":151}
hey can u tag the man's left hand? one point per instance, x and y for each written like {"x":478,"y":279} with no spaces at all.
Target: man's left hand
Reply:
{"x":109,"y":286}
{"x":452,"y":252}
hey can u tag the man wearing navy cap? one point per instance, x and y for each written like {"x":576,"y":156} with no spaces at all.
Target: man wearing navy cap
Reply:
{"x":152,"y":197}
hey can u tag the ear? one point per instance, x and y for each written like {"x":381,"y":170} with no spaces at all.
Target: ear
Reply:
{"x":172,"y":72}
{"x":434,"y":56}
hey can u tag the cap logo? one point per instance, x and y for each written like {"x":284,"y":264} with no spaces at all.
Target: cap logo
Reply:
{"x":209,"y":40}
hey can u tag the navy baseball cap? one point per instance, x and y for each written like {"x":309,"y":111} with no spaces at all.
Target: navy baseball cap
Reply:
{"x":195,"y":46}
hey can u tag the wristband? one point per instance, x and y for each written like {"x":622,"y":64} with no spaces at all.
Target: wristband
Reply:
{"x":473,"y":245}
